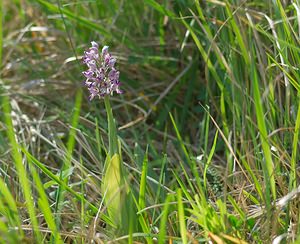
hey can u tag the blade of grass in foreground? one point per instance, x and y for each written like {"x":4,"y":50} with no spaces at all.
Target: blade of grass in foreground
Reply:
{"x":293,"y":178}
{"x":143,"y":183}
{"x":267,"y":165}
{"x":18,"y":160}
{"x":45,"y":206}
{"x":142,"y":194}
{"x":163,"y":221}
{"x":143,"y":222}
{"x":183,"y":231}
{"x":13,"y":212}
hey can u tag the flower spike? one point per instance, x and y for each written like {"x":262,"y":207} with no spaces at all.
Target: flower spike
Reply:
{"x":102,"y":78}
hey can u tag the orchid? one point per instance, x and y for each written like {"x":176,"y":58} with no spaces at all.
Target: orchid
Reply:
{"x":102,"y":80}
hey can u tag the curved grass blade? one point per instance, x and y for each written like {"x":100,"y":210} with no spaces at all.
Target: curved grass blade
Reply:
{"x":22,"y":174}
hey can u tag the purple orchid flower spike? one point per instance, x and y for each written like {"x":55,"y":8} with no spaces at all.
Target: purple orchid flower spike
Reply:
{"x":104,"y":50}
{"x":102,"y":78}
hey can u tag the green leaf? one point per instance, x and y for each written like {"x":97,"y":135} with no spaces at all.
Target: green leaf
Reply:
{"x":112,"y":185}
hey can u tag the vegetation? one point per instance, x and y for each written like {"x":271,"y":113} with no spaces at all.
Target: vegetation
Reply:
{"x":208,"y":125}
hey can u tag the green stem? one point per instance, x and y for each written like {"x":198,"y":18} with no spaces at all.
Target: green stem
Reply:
{"x":112,"y":131}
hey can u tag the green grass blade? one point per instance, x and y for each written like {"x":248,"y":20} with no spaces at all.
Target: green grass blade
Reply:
{"x":18,"y":160}
{"x":160,"y":8}
{"x":180,"y":139}
{"x":238,"y":35}
{"x":267,"y":165}
{"x":293,"y":176}
{"x":143,"y":221}
{"x":294,"y":82}
{"x":236,"y":207}
{"x":45,"y":206}
{"x":163,"y":221}
{"x":14,"y":213}
{"x":143,"y":182}
{"x":209,"y":158}
{"x":205,"y":56}
{"x":181,"y":217}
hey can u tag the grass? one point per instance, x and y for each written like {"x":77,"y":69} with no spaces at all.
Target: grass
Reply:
{"x":208,"y":124}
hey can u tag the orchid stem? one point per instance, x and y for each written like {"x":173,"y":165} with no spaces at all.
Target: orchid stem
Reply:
{"x":112,"y":131}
